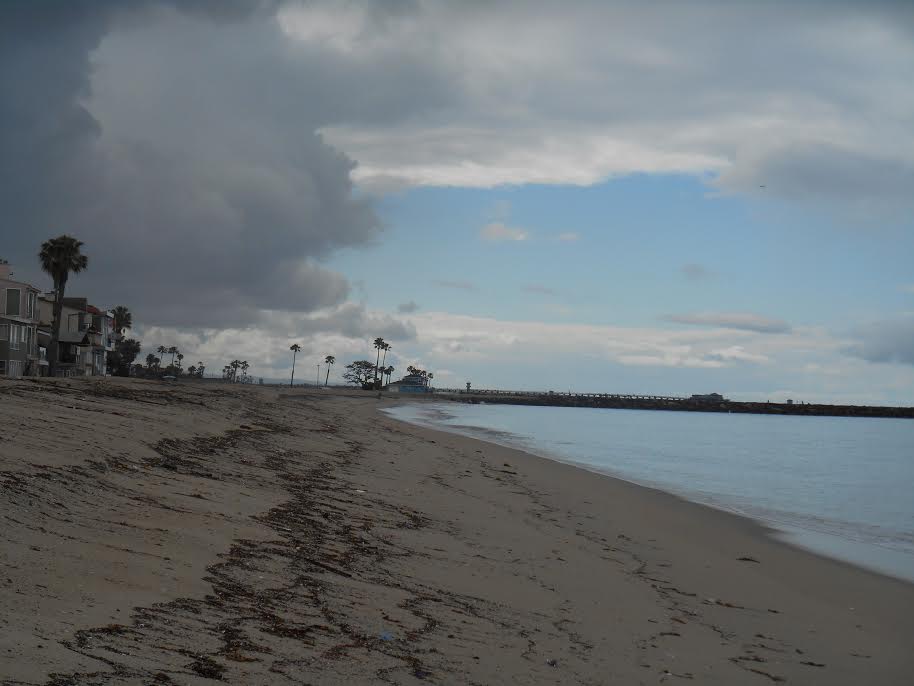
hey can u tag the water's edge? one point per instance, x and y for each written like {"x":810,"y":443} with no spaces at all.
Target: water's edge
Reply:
{"x":817,"y":543}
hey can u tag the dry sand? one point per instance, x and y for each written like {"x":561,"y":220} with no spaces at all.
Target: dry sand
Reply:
{"x":183,"y":533}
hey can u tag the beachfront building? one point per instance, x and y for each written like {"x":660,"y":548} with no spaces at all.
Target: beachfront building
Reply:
{"x":414,"y":383}
{"x":709,"y":398}
{"x":86,"y":335}
{"x":19,"y":350}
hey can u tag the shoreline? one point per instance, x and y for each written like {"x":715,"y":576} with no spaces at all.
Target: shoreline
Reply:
{"x":752,"y":526}
{"x":199,"y":532}
{"x":787,"y":536}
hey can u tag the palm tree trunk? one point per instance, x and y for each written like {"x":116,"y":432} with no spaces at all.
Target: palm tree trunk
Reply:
{"x":377,"y":363}
{"x":293,"y":368}
{"x":55,"y":328}
{"x":327,"y":380}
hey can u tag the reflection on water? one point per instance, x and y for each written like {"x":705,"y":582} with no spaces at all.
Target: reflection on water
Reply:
{"x":837,"y":485}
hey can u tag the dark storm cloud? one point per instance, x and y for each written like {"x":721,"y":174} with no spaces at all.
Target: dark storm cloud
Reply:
{"x":885,"y":341}
{"x":181,"y":147}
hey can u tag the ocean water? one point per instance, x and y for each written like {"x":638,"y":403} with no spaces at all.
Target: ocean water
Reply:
{"x":840,"y":486}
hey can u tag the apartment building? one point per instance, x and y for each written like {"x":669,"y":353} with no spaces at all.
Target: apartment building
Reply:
{"x":20,"y":353}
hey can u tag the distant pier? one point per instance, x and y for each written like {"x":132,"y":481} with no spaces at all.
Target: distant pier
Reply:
{"x":665,"y":402}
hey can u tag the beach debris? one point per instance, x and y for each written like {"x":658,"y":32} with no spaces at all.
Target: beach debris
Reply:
{"x":748,"y":559}
{"x":207,"y":667}
{"x":552,"y":662}
{"x":420,"y":673}
{"x":813,"y":664}
{"x":386,"y":636}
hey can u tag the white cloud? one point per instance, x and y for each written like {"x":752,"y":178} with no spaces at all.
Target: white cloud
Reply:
{"x":462,"y":335}
{"x":807,"y":99}
{"x":732,"y":320}
{"x":496,"y":232}
{"x":569,"y":237}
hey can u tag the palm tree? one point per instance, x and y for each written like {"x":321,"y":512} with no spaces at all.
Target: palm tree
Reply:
{"x":378,"y":344}
{"x":173,"y":351}
{"x":180,"y":357}
{"x":330,"y":359}
{"x":200,"y":369}
{"x":122,"y":319}
{"x":162,"y":350}
{"x":60,"y":256}
{"x":295,"y":348}
{"x":389,"y":370}
{"x":244,"y":370}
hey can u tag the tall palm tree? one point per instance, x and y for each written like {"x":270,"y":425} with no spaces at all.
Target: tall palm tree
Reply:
{"x":295,"y":348}
{"x":60,"y":256}
{"x":173,"y":350}
{"x":387,"y":346}
{"x":330,"y":359}
{"x":379,"y":345}
{"x":122,"y":319}
{"x":180,"y":357}
{"x":389,"y":370}
{"x":162,"y":350}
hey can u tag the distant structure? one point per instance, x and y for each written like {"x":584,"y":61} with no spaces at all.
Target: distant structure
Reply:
{"x":709,"y":398}
{"x":413,"y":383}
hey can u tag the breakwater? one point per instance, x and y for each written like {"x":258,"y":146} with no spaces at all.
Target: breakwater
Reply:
{"x":670,"y":403}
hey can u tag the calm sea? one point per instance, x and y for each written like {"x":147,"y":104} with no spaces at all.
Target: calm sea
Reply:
{"x":843,"y":487}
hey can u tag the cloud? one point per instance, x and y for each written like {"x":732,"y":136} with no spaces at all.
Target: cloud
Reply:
{"x":800,"y":97}
{"x":695,"y":272}
{"x":345,"y":331}
{"x":890,"y":341}
{"x":197,"y":181}
{"x":539,"y":289}
{"x":458,"y":285}
{"x":732,"y":320}
{"x":496,"y":231}
{"x":569,"y":237}
{"x":407,"y":307}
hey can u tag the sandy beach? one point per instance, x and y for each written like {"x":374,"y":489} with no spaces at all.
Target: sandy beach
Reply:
{"x":186,"y":533}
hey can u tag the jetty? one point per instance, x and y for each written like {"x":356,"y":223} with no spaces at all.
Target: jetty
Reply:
{"x":703,"y":403}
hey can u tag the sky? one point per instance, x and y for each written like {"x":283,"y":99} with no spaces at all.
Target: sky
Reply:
{"x":664,"y":198}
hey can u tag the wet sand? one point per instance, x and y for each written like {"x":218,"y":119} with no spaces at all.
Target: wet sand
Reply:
{"x":184,"y":533}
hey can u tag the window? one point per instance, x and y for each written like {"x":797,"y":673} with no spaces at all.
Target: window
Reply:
{"x":2,"y":367}
{"x":14,"y":368}
{"x":4,"y":332}
{"x":13,"y":297}
{"x":15,"y":330}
